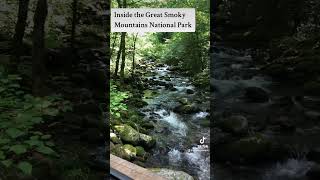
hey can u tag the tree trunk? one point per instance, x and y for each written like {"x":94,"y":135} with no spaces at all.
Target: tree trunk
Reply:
{"x":122,"y":44}
{"x":38,"y":49}
{"x":123,"y":57}
{"x":113,"y":44}
{"x":134,"y":53}
{"x":123,"y":63}
{"x":74,"y":21}
{"x":20,"y":27}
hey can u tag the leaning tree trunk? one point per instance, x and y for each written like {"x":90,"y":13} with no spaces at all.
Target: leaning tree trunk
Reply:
{"x":74,"y":21}
{"x":38,"y":49}
{"x":20,"y":27}
{"x":123,"y":56}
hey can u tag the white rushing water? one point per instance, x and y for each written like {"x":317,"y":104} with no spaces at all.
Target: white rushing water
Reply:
{"x":180,"y":133}
{"x":173,"y":120}
{"x":292,"y":169}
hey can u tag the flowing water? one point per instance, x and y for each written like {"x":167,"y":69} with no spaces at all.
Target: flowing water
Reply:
{"x":233,"y":71}
{"x":178,"y":135}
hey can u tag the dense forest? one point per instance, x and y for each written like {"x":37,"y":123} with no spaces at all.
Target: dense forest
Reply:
{"x":53,"y":77}
{"x":159,"y":93}
{"x":265,"y":80}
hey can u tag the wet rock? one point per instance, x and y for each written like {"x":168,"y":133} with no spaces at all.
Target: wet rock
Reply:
{"x":147,"y":141}
{"x":186,"y":109}
{"x":256,"y":94}
{"x":183,"y":101}
{"x":190,"y":91}
{"x":138,"y":103}
{"x":171,"y":174}
{"x":148,"y":125}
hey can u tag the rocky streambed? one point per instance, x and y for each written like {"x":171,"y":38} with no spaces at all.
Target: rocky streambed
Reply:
{"x":263,"y":129}
{"x":175,"y":118}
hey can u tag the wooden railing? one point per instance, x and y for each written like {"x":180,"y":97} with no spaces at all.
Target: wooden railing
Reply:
{"x":125,"y":170}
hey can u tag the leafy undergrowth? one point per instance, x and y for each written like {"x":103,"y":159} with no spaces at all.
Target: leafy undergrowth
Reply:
{"x":117,"y":99}
{"x":19,"y":114}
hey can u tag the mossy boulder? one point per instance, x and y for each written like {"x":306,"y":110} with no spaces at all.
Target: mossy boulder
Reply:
{"x":184,"y":101}
{"x":130,"y":150}
{"x":114,"y":138}
{"x":128,"y":134}
{"x":132,"y":136}
{"x":171,"y":174}
{"x":186,"y":109}
{"x":147,"y":141}
{"x":140,"y":151}
{"x":119,"y":151}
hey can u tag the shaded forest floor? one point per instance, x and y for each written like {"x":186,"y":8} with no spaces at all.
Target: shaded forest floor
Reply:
{"x":74,"y":122}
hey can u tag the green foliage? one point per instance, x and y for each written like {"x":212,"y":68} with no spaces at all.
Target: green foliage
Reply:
{"x":19,"y":114}
{"x":116,"y":101}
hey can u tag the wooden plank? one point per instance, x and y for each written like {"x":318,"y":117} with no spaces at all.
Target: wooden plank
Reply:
{"x":128,"y":170}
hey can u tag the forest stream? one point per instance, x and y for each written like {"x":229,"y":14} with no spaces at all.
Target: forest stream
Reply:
{"x":275,"y":120}
{"x":177,"y":132}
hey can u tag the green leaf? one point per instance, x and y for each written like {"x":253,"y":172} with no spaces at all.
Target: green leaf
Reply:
{"x":45,"y":137}
{"x":14,"y":133}
{"x":34,"y":142}
{"x":2,"y":155}
{"x":7,"y":163}
{"x":45,"y":150}
{"x":50,"y":144}
{"x":4,"y":141}
{"x":25,"y":167}
{"x":18,"y":149}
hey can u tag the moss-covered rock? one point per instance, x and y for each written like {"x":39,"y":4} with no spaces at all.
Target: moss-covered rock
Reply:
{"x":128,"y":134}
{"x":130,"y":150}
{"x":147,"y":141}
{"x":186,"y":109}
{"x":114,"y":138}
{"x":140,"y":151}
{"x":119,"y":151}
{"x":132,"y":136}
